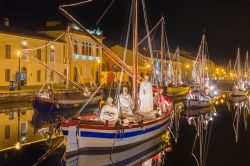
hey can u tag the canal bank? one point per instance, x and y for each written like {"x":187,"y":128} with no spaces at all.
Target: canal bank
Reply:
{"x":26,"y":93}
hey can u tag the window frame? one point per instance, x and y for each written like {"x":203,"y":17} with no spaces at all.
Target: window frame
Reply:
{"x":10,"y":47}
{"x":38,"y":75}
{"x":50,"y":59}
{"x":9,"y":76}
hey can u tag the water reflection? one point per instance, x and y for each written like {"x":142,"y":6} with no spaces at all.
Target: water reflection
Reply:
{"x":21,"y":125}
{"x":239,"y":108}
{"x":148,"y":153}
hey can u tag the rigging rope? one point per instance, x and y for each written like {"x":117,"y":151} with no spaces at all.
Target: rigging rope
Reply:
{"x":104,"y":13}
{"x":75,"y":4}
{"x":93,"y":94}
{"x":126,"y":47}
{"x":152,"y":30}
{"x":48,"y":44}
{"x":148,"y":36}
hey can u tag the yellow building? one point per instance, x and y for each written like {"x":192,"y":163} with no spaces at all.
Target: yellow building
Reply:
{"x":83,"y":55}
{"x":144,"y":63}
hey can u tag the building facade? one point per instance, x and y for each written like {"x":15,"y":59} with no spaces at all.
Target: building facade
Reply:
{"x":145,"y":63}
{"x":74,"y":52}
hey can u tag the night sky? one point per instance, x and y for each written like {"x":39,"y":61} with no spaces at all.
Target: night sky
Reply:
{"x":227,"y":24}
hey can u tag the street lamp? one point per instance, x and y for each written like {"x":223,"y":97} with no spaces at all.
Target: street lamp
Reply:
{"x":18,"y":78}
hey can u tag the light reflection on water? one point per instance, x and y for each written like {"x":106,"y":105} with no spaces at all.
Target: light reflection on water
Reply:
{"x":239,"y":108}
{"x":21,"y":123}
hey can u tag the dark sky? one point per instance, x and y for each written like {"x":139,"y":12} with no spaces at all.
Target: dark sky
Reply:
{"x":227,"y":24}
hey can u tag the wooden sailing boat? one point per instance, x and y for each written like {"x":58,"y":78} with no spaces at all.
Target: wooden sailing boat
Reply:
{"x":90,"y":134}
{"x":200,"y":99}
{"x":171,"y":81}
{"x":238,"y":90}
{"x":177,"y":89}
{"x":49,"y":101}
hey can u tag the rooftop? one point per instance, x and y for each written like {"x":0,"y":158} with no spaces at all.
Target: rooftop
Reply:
{"x":24,"y":33}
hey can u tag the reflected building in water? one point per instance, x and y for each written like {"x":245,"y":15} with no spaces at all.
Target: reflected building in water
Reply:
{"x":15,"y":128}
{"x":26,"y":126}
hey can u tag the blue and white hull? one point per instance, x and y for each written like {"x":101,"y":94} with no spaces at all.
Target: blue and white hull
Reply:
{"x":83,"y":137}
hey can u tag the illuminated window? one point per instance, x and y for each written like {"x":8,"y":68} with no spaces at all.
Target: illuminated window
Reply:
{"x":52,"y":76}
{"x":11,"y":116}
{"x":7,"y":75}
{"x":84,"y":57}
{"x":97,"y":51}
{"x":90,"y":49}
{"x":23,"y":128}
{"x":84,"y":48}
{"x":91,"y":58}
{"x":7,"y":132}
{"x":87,"y":48}
{"x":38,"y":75}
{"x":7,"y":51}
{"x":76,"y":56}
{"x":39,"y":54}
{"x":65,"y":72}
{"x":75,"y":74}
{"x":75,"y":47}
{"x":52,"y":55}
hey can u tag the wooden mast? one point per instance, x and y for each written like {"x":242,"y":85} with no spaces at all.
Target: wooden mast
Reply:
{"x":67,"y":58}
{"x":135,"y":55}
{"x":238,"y":66}
{"x":162,"y":50}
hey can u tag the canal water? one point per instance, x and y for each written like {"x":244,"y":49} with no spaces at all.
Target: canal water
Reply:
{"x":41,"y":141}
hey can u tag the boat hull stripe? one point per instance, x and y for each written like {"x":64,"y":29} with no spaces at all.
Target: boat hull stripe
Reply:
{"x":114,"y":135}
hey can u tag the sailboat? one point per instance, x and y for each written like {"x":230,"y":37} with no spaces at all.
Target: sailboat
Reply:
{"x":90,"y":134}
{"x":200,"y":98}
{"x":238,"y":90}
{"x":49,"y":101}
{"x":178,"y":88}
{"x":66,"y":101}
{"x":171,"y":80}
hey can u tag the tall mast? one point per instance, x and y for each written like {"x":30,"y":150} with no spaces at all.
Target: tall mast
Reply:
{"x":238,"y":66}
{"x":178,"y":75}
{"x":162,"y":51}
{"x":67,"y":59}
{"x":135,"y":54}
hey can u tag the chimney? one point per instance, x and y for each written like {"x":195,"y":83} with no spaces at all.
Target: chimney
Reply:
{"x":6,"y":22}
